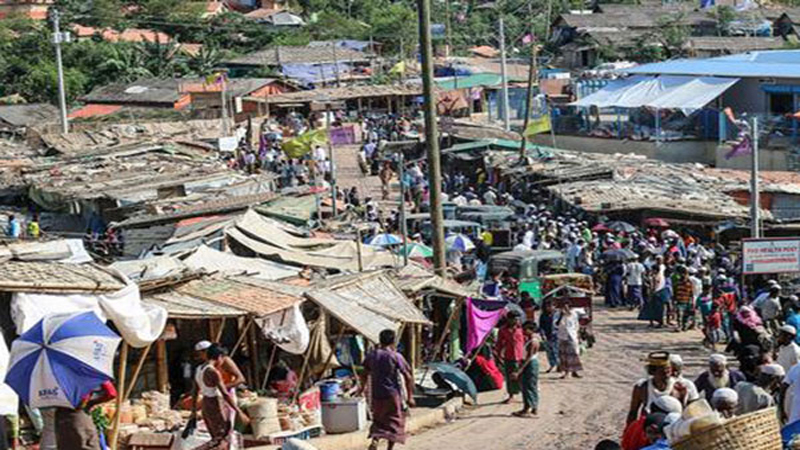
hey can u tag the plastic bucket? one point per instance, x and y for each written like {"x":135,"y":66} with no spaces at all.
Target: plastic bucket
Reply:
{"x":329,"y":391}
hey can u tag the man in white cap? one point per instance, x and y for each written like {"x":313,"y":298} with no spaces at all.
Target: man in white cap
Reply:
{"x":717,"y":376}
{"x":787,"y":353}
{"x":759,"y":394}
{"x":681,"y":383}
{"x":725,"y":401}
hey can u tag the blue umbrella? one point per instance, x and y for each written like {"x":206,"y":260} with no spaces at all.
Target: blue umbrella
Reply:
{"x":459,"y":242}
{"x":61,"y":359}
{"x":458,"y":377}
{"x":385,"y":240}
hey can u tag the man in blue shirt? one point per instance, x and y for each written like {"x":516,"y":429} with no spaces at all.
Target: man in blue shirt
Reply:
{"x":793,"y":315}
{"x":13,"y":230}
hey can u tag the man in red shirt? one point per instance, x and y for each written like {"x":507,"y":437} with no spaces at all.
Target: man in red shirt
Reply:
{"x":510,"y":349}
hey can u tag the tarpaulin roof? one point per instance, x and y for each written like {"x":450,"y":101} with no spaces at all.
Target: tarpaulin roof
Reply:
{"x":212,"y":260}
{"x":774,"y":63}
{"x":147,"y":269}
{"x":366,"y":322}
{"x":260,"y":236}
{"x":376,"y":292}
{"x":295,"y":210}
{"x":62,"y":250}
{"x":665,"y":92}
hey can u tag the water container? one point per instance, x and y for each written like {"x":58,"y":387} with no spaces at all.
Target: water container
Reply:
{"x":329,"y":391}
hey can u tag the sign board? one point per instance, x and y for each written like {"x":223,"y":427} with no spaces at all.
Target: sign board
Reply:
{"x":777,"y":255}
{"x":345,"y":135}
{"x":228,"y":143}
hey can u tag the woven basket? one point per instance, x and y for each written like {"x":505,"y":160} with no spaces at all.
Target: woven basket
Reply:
{"x":759,"y":430}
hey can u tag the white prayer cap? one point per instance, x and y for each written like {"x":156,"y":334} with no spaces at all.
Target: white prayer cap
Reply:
{"x":202,"y":345}
{"x":773,"y":369}
{"x":788,"y":329}
{"x":675,"y":359}
{"x":668,"y":404}
{"x":727,"y":395}
{"x":718,"y":358}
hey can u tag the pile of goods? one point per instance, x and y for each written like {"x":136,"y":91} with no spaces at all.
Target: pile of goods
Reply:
{"x":272,"y":421}
{"x":150,"y":413}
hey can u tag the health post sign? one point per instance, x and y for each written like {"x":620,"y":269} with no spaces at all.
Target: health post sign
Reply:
{"x":779,"y":255}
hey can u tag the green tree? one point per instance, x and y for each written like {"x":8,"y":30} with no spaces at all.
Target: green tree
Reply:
{"x":724,"y":16}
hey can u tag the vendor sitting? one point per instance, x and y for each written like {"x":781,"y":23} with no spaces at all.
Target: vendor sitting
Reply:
{"x":282,"y":380}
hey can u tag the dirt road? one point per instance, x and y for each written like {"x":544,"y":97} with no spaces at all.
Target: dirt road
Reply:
{"x":573,"y":414}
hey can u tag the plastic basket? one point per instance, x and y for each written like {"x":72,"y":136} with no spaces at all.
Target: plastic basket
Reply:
{"x":758,"y":430}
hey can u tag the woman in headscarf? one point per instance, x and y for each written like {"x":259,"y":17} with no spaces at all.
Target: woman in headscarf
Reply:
{"x":749,"y":331}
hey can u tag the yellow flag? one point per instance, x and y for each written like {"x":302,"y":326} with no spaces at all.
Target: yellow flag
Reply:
{"x":398,"y":69}
{"x":538,"y":125}
{"x":300,"y":145}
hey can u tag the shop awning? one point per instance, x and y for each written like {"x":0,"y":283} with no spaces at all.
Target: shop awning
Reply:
{"x":663,"y":92}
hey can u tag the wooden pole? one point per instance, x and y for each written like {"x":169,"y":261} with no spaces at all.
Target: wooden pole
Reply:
{"x":123,"y":366}
{"x":242,"y":335}
{"x":446,"y":329}
{"x":136,"y":371}
{"x":432,"y":137}
{"x":412,"y":343}
{"x":302,"y":376}
{"x":333,"y":350}
{"x":532,"y":79}
{"x":220,"y":330}
{"x":162,"y":376}
{"x":272,"y":355}
{"x":252,"y":344}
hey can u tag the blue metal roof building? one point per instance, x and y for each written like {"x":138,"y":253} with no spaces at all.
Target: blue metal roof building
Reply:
{"x":763,"y":64}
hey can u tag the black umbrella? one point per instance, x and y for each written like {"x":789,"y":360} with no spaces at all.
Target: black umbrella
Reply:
{"x":618,"y":255}
{"x":458,"y":377}
{"x":620,"y":226}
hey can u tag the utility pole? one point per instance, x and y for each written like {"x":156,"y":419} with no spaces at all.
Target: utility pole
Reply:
{"x":504,"y":72}
{"x":224,"y":116}
{"x":58,"y":38}
{"x":533,"y":77}
{"x":401,"y":170}
{"x":447,"y":24}
{"x":431,"y":136}
{"x":755,"y":226}
{"x":330,"y":156}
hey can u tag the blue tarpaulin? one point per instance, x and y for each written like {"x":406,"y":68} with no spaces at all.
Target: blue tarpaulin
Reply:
{"x":314,"y":73}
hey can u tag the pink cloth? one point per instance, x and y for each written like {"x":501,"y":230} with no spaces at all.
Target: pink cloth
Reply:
{"x":748,"y":317}
{"x":480,"y":324}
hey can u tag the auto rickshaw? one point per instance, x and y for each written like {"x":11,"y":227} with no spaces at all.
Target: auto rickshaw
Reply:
{"x":528,"y":267}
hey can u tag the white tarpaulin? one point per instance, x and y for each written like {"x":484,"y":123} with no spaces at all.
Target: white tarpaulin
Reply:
{"x":664,"y":92}
{"x":9,"y":401}
{"x":62,"y":250}
{"x":288,"y":329}
{"x":211,"y":260}
{"x":138,"y":323}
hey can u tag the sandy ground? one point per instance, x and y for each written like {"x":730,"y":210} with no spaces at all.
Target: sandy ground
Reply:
{"x":573,"y":414}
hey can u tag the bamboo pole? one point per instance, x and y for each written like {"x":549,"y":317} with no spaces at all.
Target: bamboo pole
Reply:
{"x":242,"y":335}
{"x":136,"y":371}
{"x":446,"y":329}
{"x":162,"y":377}
{"x":272,"y":355}
{"x":333,"y":351}
{"x":123,"y":365}
{"x":220,"y":330}
{"x":252,"y":344}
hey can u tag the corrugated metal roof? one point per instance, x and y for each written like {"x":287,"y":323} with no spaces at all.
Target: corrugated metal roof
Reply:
{"x":473,"y":81}
{"x":776,"y":63}
{"x":299,"y":55}
{"x":28,"y":114}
